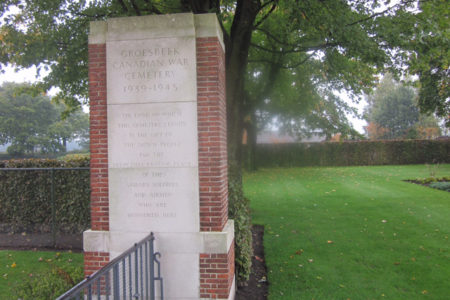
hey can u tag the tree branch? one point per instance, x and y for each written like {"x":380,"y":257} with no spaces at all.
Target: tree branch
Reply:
{"x":94,"y":16}
{"x":124,"y":6}
{"x":379,"y":13}
{"x":269,"y":35}
{"x":152,"y":8}
{"x":296,"y":49}
{"x":293,"y":66}
{"x":135,"y":7}
{"x":274,"y":5}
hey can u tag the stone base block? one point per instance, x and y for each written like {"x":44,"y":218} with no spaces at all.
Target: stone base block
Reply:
{"x":194,"y":265}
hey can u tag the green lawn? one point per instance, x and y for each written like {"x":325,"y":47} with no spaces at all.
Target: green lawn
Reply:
{"x":353,"y":232}
{"x":16,"y":267}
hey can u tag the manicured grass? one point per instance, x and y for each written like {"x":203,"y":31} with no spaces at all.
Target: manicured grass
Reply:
{"x":353,"y":232}
{"x":18,"y":266}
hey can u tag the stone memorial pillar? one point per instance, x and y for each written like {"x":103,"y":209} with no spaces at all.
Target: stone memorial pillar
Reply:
{"x":158,"y":149}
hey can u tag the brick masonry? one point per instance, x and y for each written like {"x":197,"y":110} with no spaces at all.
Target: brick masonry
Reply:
{"x":99,"y":137}
{"x":99,"y":153}
{"x":94,"y":261}
{"x":216,"y":270}
{"x":216,"y":274}
{"x":211,"y":107}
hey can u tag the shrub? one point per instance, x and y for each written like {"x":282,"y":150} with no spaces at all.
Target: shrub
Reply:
{"x":25,"y":196}
{"x":51,"y":284}
{"x":239,"y":211}
{"x":441,"y":185}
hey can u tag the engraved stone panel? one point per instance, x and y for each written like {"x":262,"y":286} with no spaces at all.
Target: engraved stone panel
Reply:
{"x":152,"y":124}
{"x":151,"y":70}
{"x":153,"y":135}
{"x":154,"y":199}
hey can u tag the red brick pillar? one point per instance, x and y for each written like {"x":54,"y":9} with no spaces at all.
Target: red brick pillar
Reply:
{"x":94,"y":260}
{"x":212,"y":139}
{"x":216,"y":269}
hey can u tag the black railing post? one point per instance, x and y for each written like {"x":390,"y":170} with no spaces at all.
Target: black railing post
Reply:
{"x":152,"y":268}
{"x":116,"y":285}
{"x":136,"y":274}
{"x":52,"y":196}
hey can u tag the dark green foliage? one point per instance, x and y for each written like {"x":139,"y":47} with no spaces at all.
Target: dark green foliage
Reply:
{"x":25,"y":202}
{"x":442,"y":185}
{"x":51,"y":284}
{"x":429,"y":180}
{"x":239,"y":211}
{"x":392,"y":152}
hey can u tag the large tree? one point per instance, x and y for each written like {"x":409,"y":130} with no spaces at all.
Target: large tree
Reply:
{"x":33,"y":123}
{"x":392,"y":113}
{"x":392,"y":108}
{"x":317,"y":45}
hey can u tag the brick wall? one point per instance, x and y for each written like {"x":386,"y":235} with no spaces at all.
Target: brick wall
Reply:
{"x":216,"y":274}
{"x":99,"y":153}
{"x":93,"y":261}
{"x":216,"y":270}
{"x":211,"y":108}
{"x":99,"y":137}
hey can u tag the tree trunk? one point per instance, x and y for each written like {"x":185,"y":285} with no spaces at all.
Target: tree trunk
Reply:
{"x":252,"y":132}
{"x":64,"y":144}
{"x":237,"y":48}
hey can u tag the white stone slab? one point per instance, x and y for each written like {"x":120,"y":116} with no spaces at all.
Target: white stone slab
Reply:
{"x":184,"y":270}
{"x":151,"y":70}
{"x":178,"y":242}
{"x":154,"y":26}
{"x":207,"y":25}
{"x":156,"y":199}
{"x":97,"y":32}
{"x":152,"y":135}
{"x":96,"y":241}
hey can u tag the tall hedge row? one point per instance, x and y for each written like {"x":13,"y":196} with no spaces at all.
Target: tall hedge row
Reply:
{"x":361,"y":153}
{"x":25,"y":196}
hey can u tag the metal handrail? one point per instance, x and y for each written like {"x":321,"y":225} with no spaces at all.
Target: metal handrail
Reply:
{"x":138,"y":292}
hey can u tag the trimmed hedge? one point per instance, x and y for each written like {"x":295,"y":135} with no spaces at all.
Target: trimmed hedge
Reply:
{"x":25,"y":196}
{"x":361,"y":153}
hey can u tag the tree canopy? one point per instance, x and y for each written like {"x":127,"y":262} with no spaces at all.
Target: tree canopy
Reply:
{"x":282,"y":56}
{"x":270,"y":46}
{"x":33,"y":123}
